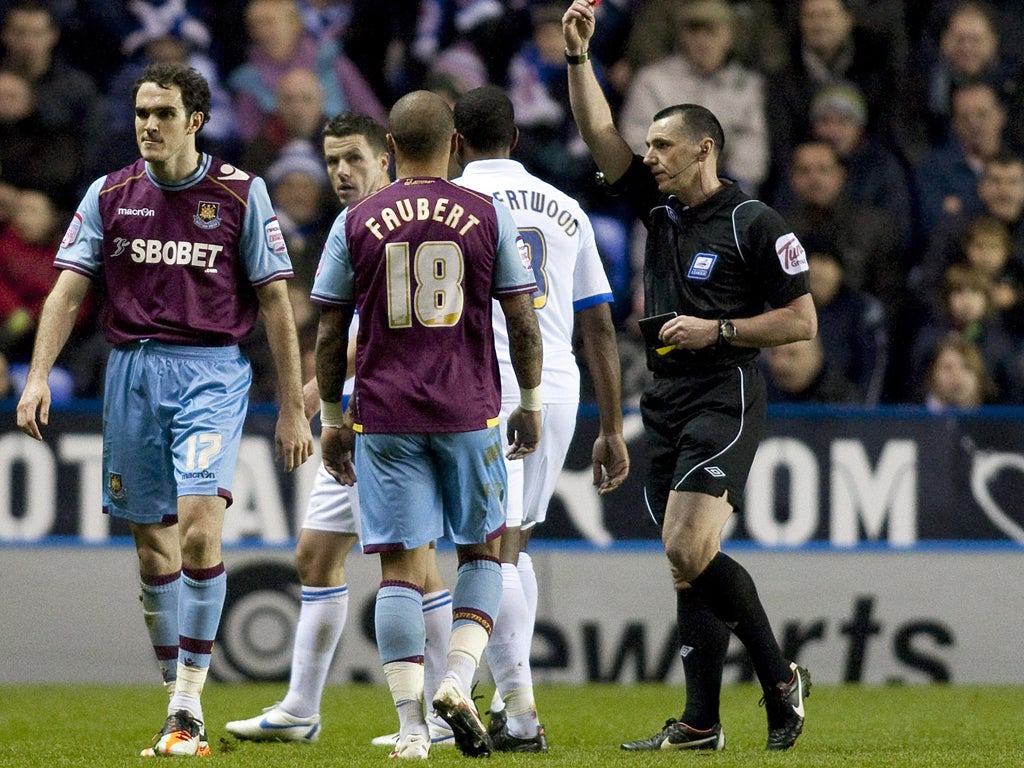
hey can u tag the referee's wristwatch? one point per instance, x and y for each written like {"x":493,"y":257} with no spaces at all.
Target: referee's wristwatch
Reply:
{"x":726,"y":331}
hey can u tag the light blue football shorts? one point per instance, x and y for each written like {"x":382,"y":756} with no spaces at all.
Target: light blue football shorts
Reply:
{"x":414,"y":488}
{"x":172,"y":424}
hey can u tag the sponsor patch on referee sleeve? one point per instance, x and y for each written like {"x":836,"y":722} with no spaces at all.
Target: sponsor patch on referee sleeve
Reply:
{"x":791,"y":254}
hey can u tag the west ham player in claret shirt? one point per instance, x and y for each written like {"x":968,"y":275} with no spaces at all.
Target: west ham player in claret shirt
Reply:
{"x":422,"y":259}
{"x":188,"y":250}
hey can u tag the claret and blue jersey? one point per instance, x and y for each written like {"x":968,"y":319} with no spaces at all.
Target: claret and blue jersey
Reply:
{"x":186,"y":275}
{"x":422,"y":260}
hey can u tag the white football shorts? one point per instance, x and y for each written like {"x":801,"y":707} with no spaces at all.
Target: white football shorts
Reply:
{"x":531,"y":481}
{"x":332,"y":506}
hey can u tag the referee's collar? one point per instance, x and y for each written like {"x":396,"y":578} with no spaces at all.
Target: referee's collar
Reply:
{"x":707,"y":208}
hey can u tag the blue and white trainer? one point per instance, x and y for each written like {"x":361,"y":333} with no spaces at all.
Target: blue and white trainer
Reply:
{"x":276,"y":725}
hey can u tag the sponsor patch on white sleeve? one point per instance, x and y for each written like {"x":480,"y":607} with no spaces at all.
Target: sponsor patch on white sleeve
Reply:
{"x":275,"y":238}
{"x":791,"y":254}
{"x":72,"y":233}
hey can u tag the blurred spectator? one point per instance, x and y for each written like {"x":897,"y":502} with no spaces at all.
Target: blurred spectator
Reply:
{"x":278,"y":45}
{"x":461,"y":65}
{"x":34,"y":154}
{"x":447,"y":87}
{"x":947,"y":176}
{"x":150,"y":19}
{"x":800,"y":372}
{"x":326,"y":19}
{"x":987,"y":251}
{"x":488,"y":30}
{"x":298,"y":116}
{"x":1001,"y":191}
{"x":967,"y":310}
{"x":925,"y":22}
{"x":377,"y":38}
{"x":830,"y":46}
{"x":220,"y":134}
{"x":956,"y":376}
{"x":875,"y":176}
{"x":760,"y":43}
{"x":704,"y":72}
{"x":864,"y":237}
{"x":549,"y":142}
{"x":967,"y":48}
{"x":66,"y":98}
{"x":27,"y":248}
{"x":298,"y":187}
{"x":851,"y":325}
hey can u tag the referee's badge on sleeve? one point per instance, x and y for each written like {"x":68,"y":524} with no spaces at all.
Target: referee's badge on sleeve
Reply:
{"x":791,"y":254}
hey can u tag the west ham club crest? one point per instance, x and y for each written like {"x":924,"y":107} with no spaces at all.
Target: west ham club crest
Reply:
{"x":208,"y":215}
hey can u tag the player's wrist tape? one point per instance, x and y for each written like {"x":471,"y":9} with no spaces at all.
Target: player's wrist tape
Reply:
{"x":331,"y":414}
{"x":530,"y":399}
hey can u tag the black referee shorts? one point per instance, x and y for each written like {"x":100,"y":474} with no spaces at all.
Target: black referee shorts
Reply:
{"x":702,"y":431}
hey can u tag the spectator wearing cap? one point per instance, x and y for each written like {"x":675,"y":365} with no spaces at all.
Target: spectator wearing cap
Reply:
{"x":875,"y":176}
{"x":704,"y":71}
{"x":298,"y":188}
{"x":831,"y":45}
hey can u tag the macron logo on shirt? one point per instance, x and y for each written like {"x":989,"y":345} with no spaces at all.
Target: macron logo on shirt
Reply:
{"x":136,"y":212}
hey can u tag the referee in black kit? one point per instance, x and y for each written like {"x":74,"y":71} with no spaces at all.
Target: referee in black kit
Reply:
{"x":715,"y":259}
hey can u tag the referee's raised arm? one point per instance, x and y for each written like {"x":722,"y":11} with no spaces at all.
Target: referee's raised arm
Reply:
{"x":589,"y":106}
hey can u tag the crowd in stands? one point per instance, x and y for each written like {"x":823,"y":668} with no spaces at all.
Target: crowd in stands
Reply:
{"x":889,"y":134}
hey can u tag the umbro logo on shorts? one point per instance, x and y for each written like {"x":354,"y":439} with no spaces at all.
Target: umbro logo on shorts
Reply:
{"x":714,"y":471}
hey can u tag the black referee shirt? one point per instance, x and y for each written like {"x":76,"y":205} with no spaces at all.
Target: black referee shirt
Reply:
{"x":729,"y":257}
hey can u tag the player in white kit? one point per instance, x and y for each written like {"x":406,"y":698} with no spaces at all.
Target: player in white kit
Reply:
{"x":572,"y":288}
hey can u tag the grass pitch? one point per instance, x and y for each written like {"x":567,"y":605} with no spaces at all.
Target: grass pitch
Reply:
{"x":856,"y":726}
